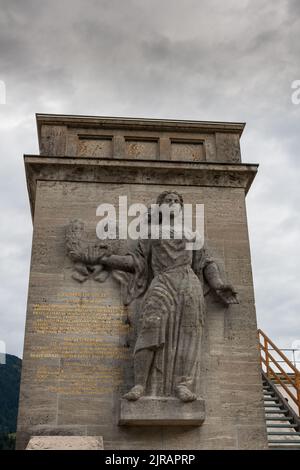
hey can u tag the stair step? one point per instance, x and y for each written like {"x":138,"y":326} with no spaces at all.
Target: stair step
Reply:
{"x":271,"y":399}
{"x":281,"y":426}
{"x":274,"y":405}
{"x":283,"y":433}
{"x":272,"y":446}
{"x":283,"y":442}
{"x":271,"y":411}
{"x":279,"y":418}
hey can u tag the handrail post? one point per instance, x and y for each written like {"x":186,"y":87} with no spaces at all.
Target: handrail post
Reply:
{"x":297,"y":383}
{"x":267,"y":356}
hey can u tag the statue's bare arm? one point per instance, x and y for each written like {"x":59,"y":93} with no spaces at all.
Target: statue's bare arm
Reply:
{"x":225,"y":291}
{"x":118,"y":262}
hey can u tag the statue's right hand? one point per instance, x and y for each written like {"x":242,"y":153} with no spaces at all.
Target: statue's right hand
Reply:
{"x":103,"y":259}
{"x":101,"y":252}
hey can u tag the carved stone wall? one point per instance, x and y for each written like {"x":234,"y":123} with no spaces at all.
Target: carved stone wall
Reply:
{"x":77,"y":353}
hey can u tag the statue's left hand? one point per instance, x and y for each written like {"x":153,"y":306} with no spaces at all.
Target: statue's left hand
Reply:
{"x":227,"y":294}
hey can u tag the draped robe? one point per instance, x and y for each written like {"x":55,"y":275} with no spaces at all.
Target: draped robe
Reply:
{"x":172,"y":312}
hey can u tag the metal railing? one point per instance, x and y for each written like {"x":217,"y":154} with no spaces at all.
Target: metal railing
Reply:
{"x":295,"y":361}
{"x":288,"y":377}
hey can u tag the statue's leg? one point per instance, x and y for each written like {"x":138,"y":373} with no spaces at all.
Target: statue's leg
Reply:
{"x":191,"y":360}
{"x":142,"y":364}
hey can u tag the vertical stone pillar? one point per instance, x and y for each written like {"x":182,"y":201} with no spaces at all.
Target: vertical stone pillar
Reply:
{"x":77,"y":358}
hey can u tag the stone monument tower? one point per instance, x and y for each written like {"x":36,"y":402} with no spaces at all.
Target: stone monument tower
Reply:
{"x":141,"y":341}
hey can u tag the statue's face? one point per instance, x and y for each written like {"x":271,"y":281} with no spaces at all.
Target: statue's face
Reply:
{"x":77,"y":226}
{"x":173,"y":201}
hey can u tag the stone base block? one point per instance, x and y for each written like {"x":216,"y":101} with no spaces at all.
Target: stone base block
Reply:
{"x":161,"y":411}
{"x":65,"y":443}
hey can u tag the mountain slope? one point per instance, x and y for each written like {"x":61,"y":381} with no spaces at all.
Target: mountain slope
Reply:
{"x":9,"y":393}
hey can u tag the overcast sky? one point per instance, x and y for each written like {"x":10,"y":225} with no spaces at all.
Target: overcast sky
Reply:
{"x":232,"y":60}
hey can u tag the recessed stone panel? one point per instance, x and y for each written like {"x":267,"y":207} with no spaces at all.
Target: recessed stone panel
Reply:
{"x":141,"y":149}
{"x":187,"y":150}
{"x":95,"y":147}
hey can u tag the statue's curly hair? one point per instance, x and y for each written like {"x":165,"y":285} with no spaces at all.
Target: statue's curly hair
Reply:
{"x":161,"y":197}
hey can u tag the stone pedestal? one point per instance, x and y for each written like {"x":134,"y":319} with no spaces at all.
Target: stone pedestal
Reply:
{"x":161,"y":411}
{"x":65,"y":443}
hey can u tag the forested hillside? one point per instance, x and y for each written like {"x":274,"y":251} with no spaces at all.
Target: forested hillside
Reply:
{"x":9,"y":396}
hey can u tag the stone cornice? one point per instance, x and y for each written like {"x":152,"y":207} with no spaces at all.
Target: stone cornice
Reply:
{"x":124,"y":171}
{"x":159,"y":125}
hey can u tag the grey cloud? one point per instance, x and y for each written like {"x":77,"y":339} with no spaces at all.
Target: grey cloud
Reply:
{"x":209,"y":60}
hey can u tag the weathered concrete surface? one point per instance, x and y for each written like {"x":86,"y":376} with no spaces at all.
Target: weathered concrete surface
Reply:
{"x":65,"y":443}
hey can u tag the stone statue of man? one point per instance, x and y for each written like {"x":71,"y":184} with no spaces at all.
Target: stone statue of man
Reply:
{"x":170,"y":278}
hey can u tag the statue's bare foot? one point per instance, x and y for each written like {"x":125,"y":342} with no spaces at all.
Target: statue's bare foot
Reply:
{"x":79,"y":277}
{"x":102,"y":276}
{"x":184,"y":394}
{"x":135,"y":393}
{"x":81,"y":269}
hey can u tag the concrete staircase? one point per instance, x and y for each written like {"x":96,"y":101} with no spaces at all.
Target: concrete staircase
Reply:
{"x":283,"y":424}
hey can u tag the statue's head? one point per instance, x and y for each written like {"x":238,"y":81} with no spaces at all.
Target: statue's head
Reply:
{"x":168,"y":197}
{"x":76,"y":226}
{"x":173,"y":200}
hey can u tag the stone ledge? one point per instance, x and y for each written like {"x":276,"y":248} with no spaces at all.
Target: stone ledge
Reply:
{"x":65,"y":443}
{"x":160,"y":125}
{"x":161,"y":411}
{"x":126,"y":171}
